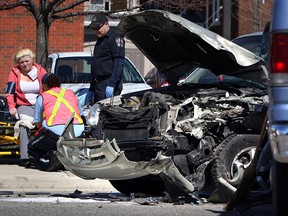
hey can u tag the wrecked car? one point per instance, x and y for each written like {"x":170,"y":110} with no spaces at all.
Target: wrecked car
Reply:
{"x":180,"y":137}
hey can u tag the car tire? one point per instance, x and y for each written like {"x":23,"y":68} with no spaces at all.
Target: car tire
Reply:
{"x":280,"y":188}
{"x":150,"y":185}
{"x":232,"y":157}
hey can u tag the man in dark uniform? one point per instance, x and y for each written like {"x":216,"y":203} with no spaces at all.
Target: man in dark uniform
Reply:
{"x":108,"y":60}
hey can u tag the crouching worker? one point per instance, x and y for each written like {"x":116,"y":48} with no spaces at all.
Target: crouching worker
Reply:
{"x":53,"y":109}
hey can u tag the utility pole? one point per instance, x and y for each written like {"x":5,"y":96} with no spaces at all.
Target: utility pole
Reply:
{"x":227,"y":19}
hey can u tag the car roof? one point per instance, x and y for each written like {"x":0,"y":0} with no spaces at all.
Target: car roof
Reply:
{"x":70,"y":54}
{"x":250,"y":35}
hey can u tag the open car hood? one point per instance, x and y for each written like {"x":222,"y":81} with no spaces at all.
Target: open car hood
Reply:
{"x":174,"y":45}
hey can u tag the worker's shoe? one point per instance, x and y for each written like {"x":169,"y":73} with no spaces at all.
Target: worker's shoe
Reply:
{"x":49,"y":162}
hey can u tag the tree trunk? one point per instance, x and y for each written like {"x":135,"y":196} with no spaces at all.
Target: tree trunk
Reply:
{"x":41,"y":42}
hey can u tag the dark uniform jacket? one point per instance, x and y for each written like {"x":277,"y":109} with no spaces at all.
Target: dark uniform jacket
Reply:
{"x":107,"y":65}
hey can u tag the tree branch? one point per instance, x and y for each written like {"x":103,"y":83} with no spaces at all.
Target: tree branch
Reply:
{"x":114,"y":15}
{"x":7,"y":5}
{"x":32,"y":8}
{"x":54,"y":4}
{"x":69,"y":6}
{"x":67,"y":15}
{"x":180,"y":4}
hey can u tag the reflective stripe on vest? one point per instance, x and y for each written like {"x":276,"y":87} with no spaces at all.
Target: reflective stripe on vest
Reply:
{"x":61,"y":99}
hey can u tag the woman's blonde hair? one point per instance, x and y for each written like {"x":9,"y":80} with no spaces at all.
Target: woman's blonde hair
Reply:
{"x":21,"y":52}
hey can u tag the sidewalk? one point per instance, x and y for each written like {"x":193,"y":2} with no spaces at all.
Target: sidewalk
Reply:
{"x":16,"y":180}
{"x":20,"y":179}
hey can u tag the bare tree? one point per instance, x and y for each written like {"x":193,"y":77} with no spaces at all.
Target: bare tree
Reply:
{"x":44,"y":13}
{"x":180,"y":5}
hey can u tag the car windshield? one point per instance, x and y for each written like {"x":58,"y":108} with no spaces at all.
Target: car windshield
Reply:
{"x":206,"y":76}
{"x":74,"y":69}
{"x":78,"y":70}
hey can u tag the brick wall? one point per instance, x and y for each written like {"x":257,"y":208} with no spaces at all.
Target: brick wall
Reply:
{"x":253,"y":15}
{"x":18,"y":28}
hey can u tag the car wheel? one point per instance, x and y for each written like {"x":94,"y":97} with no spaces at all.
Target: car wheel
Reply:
{"x":280,"y":188}
{"x":232,"y":157}
{"x":150,"y":185}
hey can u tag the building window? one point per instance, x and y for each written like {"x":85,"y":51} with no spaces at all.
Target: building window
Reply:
{"x":97,"y":2}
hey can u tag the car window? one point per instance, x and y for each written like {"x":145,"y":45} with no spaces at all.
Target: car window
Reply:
{"x":130,"y":74}
{"x":201,"y":76}
{"x":78,"y":70}
{"x":265,"y":42}
{"x":74,"y":69}
{"x":151,"y":75}
{"x":246,"y":79}
{"x":154,"y":78}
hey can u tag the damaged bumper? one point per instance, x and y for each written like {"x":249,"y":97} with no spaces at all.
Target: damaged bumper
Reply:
{"x":91,"y":158}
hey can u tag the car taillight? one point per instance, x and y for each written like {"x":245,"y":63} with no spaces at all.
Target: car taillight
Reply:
{"x":279,"y":53}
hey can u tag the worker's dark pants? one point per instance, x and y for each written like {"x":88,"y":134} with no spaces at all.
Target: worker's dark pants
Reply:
{"x":42,"y":143}
{"x":100,"y":90}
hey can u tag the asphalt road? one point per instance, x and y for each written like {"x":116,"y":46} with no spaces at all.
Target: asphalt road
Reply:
{"x":34,"y":192}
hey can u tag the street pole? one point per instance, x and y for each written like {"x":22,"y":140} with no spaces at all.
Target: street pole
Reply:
{"x":227,"y":19}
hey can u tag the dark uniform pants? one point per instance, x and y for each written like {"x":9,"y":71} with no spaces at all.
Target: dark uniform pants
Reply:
{"x":42,"y":143}
{"x":100,"y":90}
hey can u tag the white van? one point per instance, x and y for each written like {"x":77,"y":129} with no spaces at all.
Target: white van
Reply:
{"x":74,"y":68}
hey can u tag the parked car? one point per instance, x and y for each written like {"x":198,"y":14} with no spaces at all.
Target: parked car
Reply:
{"x":171,"y":139}
{"x":251,"y":42}
{"x":278,"y":118}
{"x":256,"y":42}
{"x":156,"y":80}
{"x":74,"y":68}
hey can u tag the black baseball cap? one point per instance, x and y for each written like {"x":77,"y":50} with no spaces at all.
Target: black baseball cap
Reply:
{"x":98,"y":21}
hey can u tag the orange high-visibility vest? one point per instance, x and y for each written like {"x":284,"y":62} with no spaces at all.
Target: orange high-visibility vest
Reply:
{"x":59,"y":104}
